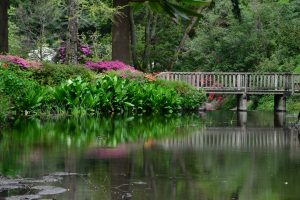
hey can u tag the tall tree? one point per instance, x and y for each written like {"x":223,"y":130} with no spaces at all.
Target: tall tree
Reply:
{"x":3,"y":26}
{"x":146,"y":57}
{"x":184,"y":38}
{"x":121,"y":32}
{"x":72,"y":36}
{"x":121,"y":27}
{"x":133,"y":38}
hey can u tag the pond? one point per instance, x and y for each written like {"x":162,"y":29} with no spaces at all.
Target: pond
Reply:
{"x":214,"y":155}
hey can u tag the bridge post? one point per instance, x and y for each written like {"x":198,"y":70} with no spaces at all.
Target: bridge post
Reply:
{"x":241,"y":102}
{"x":279,"y":103}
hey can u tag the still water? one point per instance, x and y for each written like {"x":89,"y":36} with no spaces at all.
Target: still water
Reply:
{"x":215,"y":156}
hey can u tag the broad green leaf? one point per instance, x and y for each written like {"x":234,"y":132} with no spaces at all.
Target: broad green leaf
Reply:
{"x":196,"y":2}
{"x":184,"y":11}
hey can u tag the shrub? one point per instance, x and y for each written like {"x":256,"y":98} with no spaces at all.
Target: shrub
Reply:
{"x":104,"y":66}
{"x":15,"y":60}
{"x":4,"y":107}
{"x":228,"y":103}
{"x":191,"y":97}
{"x":297,"y":69}
{"x":293,"y":104}
{"x":24,"y":94}
{"x":266,"y":103}
{"x":55,"y":74}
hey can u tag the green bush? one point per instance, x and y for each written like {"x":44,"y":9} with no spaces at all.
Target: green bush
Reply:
{"x":108,"y":93}
{"x":297,"y":69}
{"x":4,"y":108}
{"x":191,"y":97}
{"x":55,"y":74}
{"x":293,"y":104}
{"x":228,"y":103}
{"x":266,"y":103}
{"x":24,"y":94}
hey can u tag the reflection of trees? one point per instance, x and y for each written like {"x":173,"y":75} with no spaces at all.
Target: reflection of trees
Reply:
{"x":30,"y":142}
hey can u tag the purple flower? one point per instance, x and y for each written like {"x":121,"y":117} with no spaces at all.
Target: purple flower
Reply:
{"x":86,"y":50}
{"x":83,"y":52}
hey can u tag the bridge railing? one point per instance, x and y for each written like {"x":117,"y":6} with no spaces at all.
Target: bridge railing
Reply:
{"x":237,"y":82}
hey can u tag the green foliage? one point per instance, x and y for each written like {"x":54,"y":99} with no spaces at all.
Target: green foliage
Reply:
{"x":115,"y":94}
{"x":38,"y":23}
{"x":55,"y":74}
{"x":102,"y":48}
{"x":14,"y":40}
{"x":24,"y":94}
{"x":263,"y":41}
{"x":76,"y":95}
{"x":191,"y":97}
{"x":228,"y":103}
{"x":293,"y":104}
{"x":4,"y":107}
{"x":266,"y":103}
{"x":53,"y":90}
{"x":297,"y":64}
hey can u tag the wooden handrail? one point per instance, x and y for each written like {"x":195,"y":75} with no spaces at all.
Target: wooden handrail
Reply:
{"x":238,"y":82}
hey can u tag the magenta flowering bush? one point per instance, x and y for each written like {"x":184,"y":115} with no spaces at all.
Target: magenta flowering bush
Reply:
{"x":84,"y":52}
{"x":16,"y":60}
{"x":104,"y":66}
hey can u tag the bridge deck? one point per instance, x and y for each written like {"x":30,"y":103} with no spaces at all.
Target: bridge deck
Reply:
{"x":238,"y":83}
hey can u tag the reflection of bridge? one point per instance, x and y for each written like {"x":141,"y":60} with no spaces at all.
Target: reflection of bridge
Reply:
{"x":233,"y":138}
{"x":242,"y":84}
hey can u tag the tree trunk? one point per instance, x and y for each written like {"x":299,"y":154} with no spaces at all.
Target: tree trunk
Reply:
{"x":185,"y":36}
{"x":72,"y":37}
{"x":153,"y":28}
{"x":146,"y":57}
{"x":133,"y":40}
{"x":121,"y":32}
{"x":3,"y":26}
{"x":152,"y":38}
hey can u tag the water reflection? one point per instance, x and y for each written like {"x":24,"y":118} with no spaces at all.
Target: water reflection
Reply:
{"x":187,"y":157}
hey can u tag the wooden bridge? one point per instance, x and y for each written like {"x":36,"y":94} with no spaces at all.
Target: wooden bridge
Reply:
{"x":242,"y":84}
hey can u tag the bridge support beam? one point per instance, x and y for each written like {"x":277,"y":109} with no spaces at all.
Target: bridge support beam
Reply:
{"x":279,"y":103}
{"x":241,"y":102}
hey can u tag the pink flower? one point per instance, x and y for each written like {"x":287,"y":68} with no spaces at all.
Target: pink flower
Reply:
{"x":19,"y":61}
{"x":14,"y":60}
{"x":109,"y":65}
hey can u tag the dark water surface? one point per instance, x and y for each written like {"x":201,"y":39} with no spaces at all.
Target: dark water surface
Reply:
{"x":215,"y":156}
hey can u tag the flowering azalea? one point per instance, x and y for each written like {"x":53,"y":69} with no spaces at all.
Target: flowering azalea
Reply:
{"x":83,"y":52}
{"x":19,"y":61}
{"x":86,"y":50}
{"x":109,"y":65}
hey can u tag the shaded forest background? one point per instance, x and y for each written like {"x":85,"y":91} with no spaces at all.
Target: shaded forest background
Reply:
{"x":265,"y":36}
